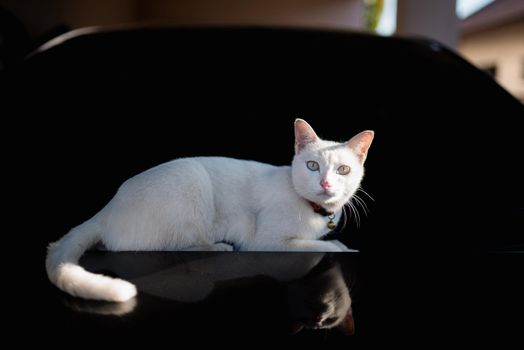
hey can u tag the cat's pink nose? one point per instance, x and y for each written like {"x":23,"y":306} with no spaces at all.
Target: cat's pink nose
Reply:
{"x":325,"y":184}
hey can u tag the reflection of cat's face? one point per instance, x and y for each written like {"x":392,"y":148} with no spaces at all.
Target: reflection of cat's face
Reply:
{"x":321,"y":301}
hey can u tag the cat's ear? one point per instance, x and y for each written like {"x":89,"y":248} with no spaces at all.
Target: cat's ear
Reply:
{"x":360,"y":144}
{"x":304,"y":134}
{"x":348,"y":324}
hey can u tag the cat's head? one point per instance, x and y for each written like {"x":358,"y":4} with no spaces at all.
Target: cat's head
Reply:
{"x":321,"y":301}
{"x":325,"y":172}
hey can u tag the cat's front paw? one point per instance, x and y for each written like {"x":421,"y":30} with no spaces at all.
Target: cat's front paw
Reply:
{"x":342,"y":247}
{"x":222,"y":247}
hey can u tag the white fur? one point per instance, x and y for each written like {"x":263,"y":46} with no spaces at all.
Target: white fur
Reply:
{"x":202,"y":202}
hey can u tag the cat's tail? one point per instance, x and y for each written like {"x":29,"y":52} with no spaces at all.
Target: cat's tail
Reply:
{"x":64,"y":272}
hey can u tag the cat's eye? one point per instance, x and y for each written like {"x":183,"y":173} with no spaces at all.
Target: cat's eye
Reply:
{"x":343,"y":170}
{"x":312,"y":165}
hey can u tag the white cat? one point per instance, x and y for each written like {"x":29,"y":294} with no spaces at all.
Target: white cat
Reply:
{"x":205,"y":203}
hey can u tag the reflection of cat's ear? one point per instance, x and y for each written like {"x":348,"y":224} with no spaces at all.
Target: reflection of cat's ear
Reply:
{"x":360,"y":144}
{"x":304,"y":134}
{"x":295,"y":327}
{"x":348,"y":325}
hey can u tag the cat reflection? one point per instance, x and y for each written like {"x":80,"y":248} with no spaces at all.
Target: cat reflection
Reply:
{"x":99,"y":307}
{"x":313,"y":284}
{"x":321,"y":300}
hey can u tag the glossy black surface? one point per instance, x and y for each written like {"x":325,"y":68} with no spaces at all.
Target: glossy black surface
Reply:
{"x":415,"y":299}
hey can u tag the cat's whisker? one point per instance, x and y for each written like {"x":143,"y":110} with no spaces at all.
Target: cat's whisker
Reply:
{"x":350,"y":210}
{"x":356,"y":201}
{"x":357,"y":215}
{"x":361,"y":202}
{"x":354,"y":210}
{"x":359,"y":218}
{"x":345,"y":217}
{"x":367,"y":194}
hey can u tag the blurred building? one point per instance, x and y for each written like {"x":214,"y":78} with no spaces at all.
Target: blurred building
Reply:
{"x":41,"y":16}
{"x":493,"y":39}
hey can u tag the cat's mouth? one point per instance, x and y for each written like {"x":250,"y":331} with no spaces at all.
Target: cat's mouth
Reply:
{"x":326,"y":194}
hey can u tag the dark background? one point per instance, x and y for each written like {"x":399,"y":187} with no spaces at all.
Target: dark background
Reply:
{"x":444,"y":169}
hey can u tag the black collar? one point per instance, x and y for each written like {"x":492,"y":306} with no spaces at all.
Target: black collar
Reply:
{"x":320,"y":210}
